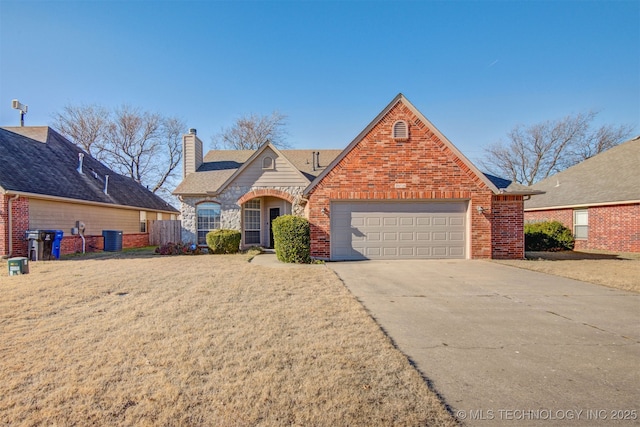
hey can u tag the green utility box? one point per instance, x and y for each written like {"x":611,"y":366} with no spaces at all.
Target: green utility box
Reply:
{"x":19,"y":265}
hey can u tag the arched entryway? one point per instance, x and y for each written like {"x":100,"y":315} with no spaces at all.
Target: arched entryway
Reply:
{"x":259,"y":209}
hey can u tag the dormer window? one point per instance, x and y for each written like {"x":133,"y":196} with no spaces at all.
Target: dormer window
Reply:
{"x":400,"y":131}
{"x":268,"y":163}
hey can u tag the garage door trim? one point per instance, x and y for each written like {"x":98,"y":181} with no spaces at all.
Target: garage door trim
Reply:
{"x":403,"y":229}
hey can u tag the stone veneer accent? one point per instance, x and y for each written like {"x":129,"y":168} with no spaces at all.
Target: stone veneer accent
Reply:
{"x":230,"y":206}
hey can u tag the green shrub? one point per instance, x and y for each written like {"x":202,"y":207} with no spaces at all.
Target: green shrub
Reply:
{"x":224,"y":241}
{"x":547,"y":236}
{"x":292,"y":239}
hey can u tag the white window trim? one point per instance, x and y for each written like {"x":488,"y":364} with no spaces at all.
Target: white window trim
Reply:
{"x":216,"y":226}
{"x":584,"y":214}
{"x":246,"y":208}
{"x":143,"y":222}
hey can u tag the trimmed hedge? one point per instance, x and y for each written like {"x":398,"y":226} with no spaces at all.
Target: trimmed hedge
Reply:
{"x":547,"y":236}
{"x":224,"y":241}
{"x":292,"y":239}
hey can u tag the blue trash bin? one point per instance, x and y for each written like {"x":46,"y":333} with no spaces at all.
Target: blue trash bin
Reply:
{"x":57,"y":241}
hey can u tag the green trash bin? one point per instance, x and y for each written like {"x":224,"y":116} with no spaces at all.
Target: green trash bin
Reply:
{"x":18,"y":265}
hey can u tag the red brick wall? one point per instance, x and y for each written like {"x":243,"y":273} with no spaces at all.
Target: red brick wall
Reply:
{"x":73,"y":244}
{"x":4,"y":226}
{"x":138,"y":240}
{"x":427,"y":168}
{"x":565,"y":216}
{"x":611,"y":228}
{"x":507,"y":223}
{"x":20,"y":224}
{"x":614,"y":228}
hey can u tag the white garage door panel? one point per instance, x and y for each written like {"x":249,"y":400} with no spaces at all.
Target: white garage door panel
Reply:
{"x":361,"y":230}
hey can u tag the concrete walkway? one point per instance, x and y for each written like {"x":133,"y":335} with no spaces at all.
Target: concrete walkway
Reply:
{"x":506,"y":346}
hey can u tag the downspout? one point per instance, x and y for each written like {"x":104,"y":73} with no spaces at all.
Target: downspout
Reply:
{"x":84,"y":242}
{"x":10,"y":223}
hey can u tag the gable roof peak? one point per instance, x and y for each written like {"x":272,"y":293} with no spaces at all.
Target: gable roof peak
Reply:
{"x":266,"y":145}
{"x":401,"y":98}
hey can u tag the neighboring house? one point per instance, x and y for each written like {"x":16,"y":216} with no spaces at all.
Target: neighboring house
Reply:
{"x":48,"y":183}
{"x":399,"y":190}
{"x":598,"y":199}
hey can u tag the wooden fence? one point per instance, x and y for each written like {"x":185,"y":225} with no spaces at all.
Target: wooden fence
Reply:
{"x":162,"y":232}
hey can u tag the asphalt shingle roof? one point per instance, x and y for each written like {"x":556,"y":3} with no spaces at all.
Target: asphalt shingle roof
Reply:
{"x":611,"y":176}
{"x":39,"y":160}
{"x":219,"y":165}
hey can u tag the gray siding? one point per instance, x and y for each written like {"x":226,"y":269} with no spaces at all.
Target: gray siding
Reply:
{"x":50,"y":215}
{"x":283,"y":175}
{"x":191,"y":154}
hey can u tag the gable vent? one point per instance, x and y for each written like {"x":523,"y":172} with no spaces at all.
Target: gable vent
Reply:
{"x":400,"y":130}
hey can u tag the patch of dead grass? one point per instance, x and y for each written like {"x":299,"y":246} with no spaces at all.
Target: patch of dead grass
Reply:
{"x":615,"y":270}
{"x":197,"y":340}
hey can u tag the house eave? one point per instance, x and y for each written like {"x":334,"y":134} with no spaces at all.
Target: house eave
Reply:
{"x":583,"y":205}
{"x":197,"y":194}
{"x":86,"y":202}
{"x":504,"y":191}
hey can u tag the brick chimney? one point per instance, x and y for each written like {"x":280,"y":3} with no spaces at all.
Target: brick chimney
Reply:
{"x":191,"y":152}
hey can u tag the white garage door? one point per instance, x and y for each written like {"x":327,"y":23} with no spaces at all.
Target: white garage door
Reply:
{"x":398,"y":230}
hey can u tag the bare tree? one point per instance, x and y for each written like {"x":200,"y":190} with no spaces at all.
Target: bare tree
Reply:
{"x":85,"y":125}
{"x":144,"y":146}
{"x":532,"y":153}
{"x":251,"y":131}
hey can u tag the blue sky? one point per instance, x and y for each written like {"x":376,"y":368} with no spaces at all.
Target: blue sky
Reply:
{"x":475,"y":69}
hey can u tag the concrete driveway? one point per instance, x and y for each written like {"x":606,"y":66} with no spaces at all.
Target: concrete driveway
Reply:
{"x":503,"y":345}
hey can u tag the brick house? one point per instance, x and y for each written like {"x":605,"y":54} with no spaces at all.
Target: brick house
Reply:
{"x":48,"y":183}
{"x":399,"y":190}
{"x":599,"y":199}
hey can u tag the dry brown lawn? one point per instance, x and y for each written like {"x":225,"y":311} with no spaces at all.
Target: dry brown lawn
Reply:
{"x":140,"y":339}
{"x":615,"y":270}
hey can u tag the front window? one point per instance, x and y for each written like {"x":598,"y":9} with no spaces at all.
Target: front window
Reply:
{"x":252,"y":222}
{"x":143,"y":221}
{"x":208,"y":219}
{"x":581,"y":224}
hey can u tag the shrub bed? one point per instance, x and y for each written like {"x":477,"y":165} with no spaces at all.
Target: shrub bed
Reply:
{"x":547,"y":236}
{"x":224,"y":241}
{"x":292,"y":239}
{"x":178,"y":249}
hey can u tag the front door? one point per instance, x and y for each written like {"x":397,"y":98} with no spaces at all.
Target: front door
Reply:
{"x":273,"y":214}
